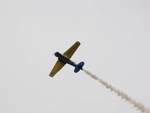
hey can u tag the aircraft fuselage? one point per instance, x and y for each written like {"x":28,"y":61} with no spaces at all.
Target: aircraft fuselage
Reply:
{"x":64,"y":59}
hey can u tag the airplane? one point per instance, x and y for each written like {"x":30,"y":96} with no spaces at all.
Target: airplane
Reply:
{"x":64,"y":59}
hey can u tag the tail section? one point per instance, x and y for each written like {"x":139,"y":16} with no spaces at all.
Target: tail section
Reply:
{"x":79,"y":67}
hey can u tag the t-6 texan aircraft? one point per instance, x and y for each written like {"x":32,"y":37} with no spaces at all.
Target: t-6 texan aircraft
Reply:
{"x":65,"y":59}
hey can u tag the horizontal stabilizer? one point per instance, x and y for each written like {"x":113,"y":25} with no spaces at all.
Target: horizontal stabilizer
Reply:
{"x":79,"y":67}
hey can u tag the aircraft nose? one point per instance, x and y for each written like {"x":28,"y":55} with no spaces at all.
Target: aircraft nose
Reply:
{"x":56,"y":54}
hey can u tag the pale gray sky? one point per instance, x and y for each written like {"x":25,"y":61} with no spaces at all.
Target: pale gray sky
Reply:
{"x":115,"y":45}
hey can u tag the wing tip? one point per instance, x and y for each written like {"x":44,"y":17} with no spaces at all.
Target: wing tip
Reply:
{"x":51,"y":74}
{"x":78,"y":42}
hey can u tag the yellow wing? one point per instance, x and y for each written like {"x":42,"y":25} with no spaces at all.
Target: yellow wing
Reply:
{"x":57,"y":67}
{"x":72,"y":49}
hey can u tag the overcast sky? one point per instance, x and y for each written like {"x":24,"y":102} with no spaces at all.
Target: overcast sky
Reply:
{"x":115,"y":45}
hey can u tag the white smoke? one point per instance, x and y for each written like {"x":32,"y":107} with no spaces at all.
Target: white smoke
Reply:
{"x":136,"y":104}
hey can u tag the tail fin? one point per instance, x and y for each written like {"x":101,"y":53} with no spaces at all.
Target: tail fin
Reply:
{"x":79,"y":67}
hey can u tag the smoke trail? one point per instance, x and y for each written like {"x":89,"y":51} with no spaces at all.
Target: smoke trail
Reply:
{"x":139,"y":106}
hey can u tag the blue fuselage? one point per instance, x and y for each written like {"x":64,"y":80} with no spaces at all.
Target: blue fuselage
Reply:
{"x":64,"y":59}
